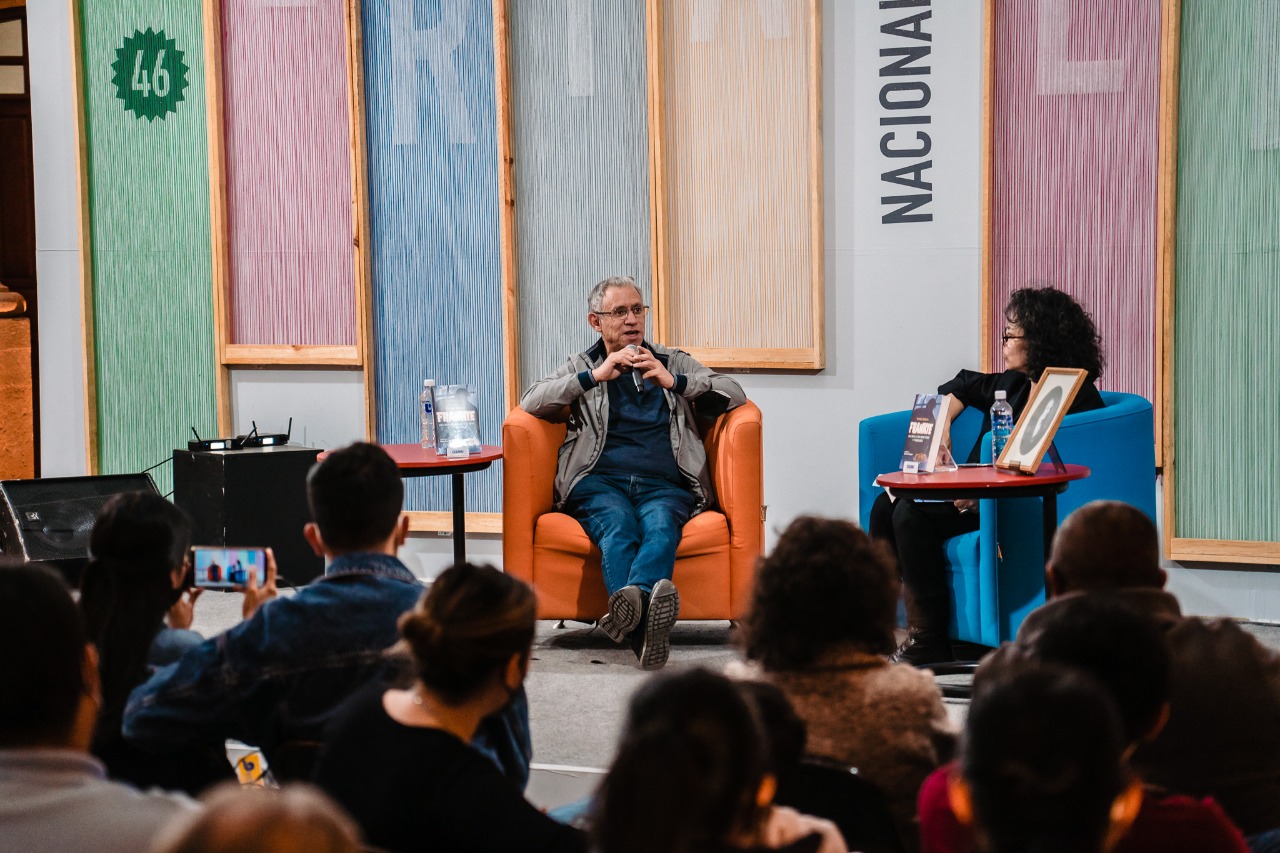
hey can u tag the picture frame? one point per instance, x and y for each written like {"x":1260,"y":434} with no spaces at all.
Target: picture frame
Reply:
{"x":1050,"y":400}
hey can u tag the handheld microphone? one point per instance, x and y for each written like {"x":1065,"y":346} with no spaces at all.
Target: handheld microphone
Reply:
{"x":635,"y":374}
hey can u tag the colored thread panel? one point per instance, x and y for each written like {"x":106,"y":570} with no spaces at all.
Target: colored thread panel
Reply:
{"x":288,"y":173}
{"x":433,"y":195}
{"x":1226,"y":337}
{"x":580,"y":133}
{"x":148,"y":229}
{"x":1074,"y":148}
{"x":738,"y":183}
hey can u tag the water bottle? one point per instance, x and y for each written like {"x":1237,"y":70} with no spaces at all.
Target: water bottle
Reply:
{"x":427,"y":409}
{"x":1001,"y":424}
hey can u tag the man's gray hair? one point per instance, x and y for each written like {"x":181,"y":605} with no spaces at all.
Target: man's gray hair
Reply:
{"x":596,"y":298}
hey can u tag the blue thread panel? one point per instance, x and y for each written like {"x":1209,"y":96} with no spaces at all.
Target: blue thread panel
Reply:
{"x":148,"y":206}
{"x":433,"y":193}
{"x":580,"y":127}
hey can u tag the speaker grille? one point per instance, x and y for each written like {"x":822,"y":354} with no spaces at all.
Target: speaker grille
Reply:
{"x":51,"y":519}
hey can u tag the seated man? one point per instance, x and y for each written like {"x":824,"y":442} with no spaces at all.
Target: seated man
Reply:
{"x":275,"y":680}
{"x":1223,"y":736}
{"x":632,"y":469}
{"x":54,"y":795}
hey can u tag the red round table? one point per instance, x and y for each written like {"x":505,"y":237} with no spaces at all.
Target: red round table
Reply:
{"x":985,"y":482}
{"x":980,"y":483}
{"x":415,"y":461}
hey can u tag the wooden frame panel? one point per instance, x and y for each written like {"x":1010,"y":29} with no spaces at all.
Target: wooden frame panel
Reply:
{"x":1180,"y":548}
{"x":793,"y":358}
{"x":442,"y":522}
{"x":218,"y":206}
{"x":434,"y":202}
{"x":150,"y":396}
{"x":84,"y":223}
{"x":1166,"y":142}
{"x":360,"y":211}
{"x":507,"y":215}
{"x":284,"y":355}
{"x":1171,"y":27}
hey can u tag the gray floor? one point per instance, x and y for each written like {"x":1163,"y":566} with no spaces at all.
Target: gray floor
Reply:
{"x":579,"y":685}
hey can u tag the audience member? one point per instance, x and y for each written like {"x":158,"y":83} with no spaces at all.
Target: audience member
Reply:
{"x":1042,"y":763}
{"x":293,"y":819}
{"x":1223,"y":735}
{"x":138,"y":612}
{"x":54,"y":795}
{"x":1124,"y":652}
{"x":692,"y":775}
{"x":275,"y":680}
{"x":820,"y":624}
{"x":398,"y":760}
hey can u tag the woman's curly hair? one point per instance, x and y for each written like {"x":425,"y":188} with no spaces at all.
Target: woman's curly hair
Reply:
{"x":1058,"y":331}
{"x":825,"y":584}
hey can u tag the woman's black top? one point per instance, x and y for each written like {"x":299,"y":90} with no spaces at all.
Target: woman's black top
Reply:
{"x":979,"y":390}
{"x":412,"y":788}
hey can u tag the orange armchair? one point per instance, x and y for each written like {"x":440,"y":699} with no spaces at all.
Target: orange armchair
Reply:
{"x":549,"y":550}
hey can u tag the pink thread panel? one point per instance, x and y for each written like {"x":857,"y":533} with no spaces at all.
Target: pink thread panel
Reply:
{"x":288,"y":166}
{"x":1075,"y":123}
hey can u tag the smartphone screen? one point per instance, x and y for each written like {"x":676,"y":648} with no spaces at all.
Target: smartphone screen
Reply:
{"x":227,"y":568}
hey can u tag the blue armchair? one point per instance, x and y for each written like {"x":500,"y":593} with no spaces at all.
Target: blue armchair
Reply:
{"x":997,"y":572}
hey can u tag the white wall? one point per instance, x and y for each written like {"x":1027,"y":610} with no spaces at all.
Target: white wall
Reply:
{"x":62,"y":403}
{"x":885,"y":285}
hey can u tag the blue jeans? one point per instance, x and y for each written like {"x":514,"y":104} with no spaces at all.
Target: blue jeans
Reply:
{"x":636,"y":523}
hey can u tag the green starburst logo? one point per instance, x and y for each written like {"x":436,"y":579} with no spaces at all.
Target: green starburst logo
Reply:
{"x":150,"y":76}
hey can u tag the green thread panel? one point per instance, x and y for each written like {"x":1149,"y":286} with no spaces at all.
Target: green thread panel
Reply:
{"x":1227,"y":299}
{"x":149,"y":226}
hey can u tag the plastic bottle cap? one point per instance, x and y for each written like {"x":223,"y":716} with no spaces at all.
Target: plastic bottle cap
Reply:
{"x":1000,"y":395}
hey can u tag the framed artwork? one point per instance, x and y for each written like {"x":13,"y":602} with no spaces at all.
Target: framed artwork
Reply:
{"x":1050,"y":400}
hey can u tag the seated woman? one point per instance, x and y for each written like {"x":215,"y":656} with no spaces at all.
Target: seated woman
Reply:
{"x":1044,"y":328}
{"x":138,"y":613}
{"x":1042,"y":763}
{"x":399,"y":760}
{"x":820,"y":624}
{"x":693,"y":775}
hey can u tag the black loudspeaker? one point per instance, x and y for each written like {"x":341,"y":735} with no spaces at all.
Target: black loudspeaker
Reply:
{"x":255,"y":497}
{"x":49,"y":520}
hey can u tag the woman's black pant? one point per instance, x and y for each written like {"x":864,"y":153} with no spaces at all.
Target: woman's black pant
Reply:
{"x":918,"y":532}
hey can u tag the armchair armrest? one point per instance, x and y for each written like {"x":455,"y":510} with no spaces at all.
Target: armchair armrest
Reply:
{"x":529,"y":450}
{"x":736,"y":455}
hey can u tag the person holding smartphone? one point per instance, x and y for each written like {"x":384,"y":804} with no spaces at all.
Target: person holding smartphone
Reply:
{"x":138,"y":610}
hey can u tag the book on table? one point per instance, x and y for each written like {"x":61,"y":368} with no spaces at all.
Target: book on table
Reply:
{"x":925,"y":450}
{"x":457,"y":420}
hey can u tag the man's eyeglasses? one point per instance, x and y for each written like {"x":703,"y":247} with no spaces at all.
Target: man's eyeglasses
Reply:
{"x":620,"y":313}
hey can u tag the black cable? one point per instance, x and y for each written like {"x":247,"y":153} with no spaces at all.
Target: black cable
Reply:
{"x":157,"y":465}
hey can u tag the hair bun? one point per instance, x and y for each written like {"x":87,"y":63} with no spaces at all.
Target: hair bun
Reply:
{"x":424,"y":634}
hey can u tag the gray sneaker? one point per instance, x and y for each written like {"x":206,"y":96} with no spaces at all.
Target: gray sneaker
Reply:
{"x":664,"y":609}
{"x":625,"y":607}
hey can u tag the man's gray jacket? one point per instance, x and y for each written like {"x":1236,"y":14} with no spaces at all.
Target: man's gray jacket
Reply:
{"x":587,"y":402}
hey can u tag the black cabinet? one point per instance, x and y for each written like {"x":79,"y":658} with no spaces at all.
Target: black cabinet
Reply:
{"x":250,"y":498}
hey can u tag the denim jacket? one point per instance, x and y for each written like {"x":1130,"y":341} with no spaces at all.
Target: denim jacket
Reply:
{"x":281,"y":675}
